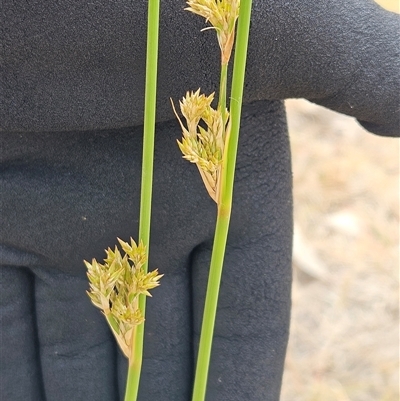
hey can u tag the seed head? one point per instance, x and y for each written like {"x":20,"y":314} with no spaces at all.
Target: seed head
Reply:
{"x":222,"y":15}
{"x":193,"y":106}
{"x":203,"y":139}
{"x":115,"y":287}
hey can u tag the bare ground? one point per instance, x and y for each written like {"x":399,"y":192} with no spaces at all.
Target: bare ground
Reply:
{"x":344,"y":343}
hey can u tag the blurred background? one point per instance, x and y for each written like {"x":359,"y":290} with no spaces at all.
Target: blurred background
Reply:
{"x":344,"y":343}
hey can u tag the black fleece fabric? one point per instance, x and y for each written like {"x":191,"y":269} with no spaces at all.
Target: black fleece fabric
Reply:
{"x":78,"y":65}
{"x":71,"y":116}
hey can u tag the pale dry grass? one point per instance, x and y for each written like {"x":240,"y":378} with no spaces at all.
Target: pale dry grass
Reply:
{"x":344,"y":343}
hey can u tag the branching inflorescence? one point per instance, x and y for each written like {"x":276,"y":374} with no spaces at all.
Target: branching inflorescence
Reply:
{"x":115,"y":287}
{"x":204,"y":138}
{"x":222,"y":15}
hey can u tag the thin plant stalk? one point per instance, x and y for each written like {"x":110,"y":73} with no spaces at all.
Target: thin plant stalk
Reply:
{"x":225,"y":204}
{"x":239,"y":69}
{"x":222,"y":92}
{"x":135,"y":363}
{"x":210,"y":307}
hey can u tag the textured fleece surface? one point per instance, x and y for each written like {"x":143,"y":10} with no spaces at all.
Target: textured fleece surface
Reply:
{"x":71,"y":109}
{"x":77,"y":65}
{"x":67,"y":196}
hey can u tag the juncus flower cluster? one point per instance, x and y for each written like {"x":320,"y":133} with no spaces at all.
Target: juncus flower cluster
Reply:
{"x":204,"y":137}
{"x":115,"y":286}
{"x":222,"y":15}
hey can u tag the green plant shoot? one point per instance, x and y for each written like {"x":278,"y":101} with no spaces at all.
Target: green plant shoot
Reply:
{"x":212,"y":146}
{"x":120,"y":285}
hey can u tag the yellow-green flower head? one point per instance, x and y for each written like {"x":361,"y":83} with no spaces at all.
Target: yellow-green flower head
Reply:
{"x":193,"y":106}
{"x":115,"y":287}
{"x":203,"y":142}
{"x":222,"y":15}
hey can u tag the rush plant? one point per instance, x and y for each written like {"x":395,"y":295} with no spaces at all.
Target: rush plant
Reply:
{"x":120,"y":285}
{"x":210,"y":140}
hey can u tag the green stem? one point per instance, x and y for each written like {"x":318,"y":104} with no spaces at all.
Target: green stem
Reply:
{"x":239,"y":68}
{"x":222,"y":92}
{"x":135,"y":363}
{"x":224,"y":208}
{"x":210,"y":307}
{"x":132,"y":383}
